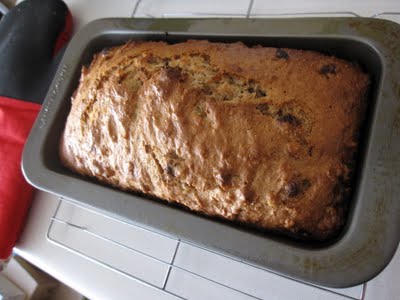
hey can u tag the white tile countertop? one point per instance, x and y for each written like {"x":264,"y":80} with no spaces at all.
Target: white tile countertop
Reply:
{"x":105,"y":258}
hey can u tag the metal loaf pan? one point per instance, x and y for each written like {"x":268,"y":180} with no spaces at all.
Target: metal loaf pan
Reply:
{"x":372,"y":232}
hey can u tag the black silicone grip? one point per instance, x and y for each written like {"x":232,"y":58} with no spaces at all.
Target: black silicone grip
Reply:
{"x":28,"y":34}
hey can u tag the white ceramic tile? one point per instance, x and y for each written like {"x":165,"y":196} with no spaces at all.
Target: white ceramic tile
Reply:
{"x":94,"y":280}
{"x":192,"y":287}
{"x":364,"y":8}
{"x":184,"y":8}
{"x":110,"y":254}
{"x":354,"y":292}
{"x":251,"y":280}
{"x":88,"y":10}
{"x":153,"y":244}
{"x":10,"y":291}
{"x":303,"y":15}
{"x":386,"y":285}
{"x":391,"y":17}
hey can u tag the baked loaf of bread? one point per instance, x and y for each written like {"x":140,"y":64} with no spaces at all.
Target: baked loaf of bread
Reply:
{"x":261,"y":136}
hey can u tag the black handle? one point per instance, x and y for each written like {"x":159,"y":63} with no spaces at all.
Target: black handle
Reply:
{"x":28,"y":34}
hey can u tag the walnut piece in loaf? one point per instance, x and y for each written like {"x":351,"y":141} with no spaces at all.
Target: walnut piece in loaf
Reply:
{"x":261,"y":136}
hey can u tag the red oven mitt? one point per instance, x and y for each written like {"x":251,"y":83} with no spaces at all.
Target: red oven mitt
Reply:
{"x":31,"y":37}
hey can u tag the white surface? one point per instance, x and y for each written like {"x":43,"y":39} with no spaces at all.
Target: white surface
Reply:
{"x":386,"y":286}
{"x":155,"y":245}
{"x":214,"y":272}
{"x":190,"y":286}
{"x":391,"y":17}
{"x":72,"y":230}
{"x":111,"y":254}
{"x":249,"y":279}
{"x":85,"y":11}
{"x":92,"y":280}
{"x":364,"y":8}
{"x":35,"y":283}
{"x":178,"y":8}
{"x":217,"y":275}
{"x":9,"y":291}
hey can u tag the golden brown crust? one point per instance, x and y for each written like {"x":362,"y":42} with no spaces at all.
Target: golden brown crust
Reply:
{"x":263,"y":136}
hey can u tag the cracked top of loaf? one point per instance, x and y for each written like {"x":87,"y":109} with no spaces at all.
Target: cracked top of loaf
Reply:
{"x":262,"y":136}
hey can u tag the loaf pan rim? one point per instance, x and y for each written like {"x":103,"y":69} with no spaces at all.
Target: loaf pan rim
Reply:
{"x":38,"y":175}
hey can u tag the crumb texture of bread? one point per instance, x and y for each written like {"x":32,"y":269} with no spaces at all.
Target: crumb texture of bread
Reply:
{"x":261,"y":136}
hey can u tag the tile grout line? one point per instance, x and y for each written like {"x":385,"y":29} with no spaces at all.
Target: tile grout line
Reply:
{"x":364,"y":291}
{"x":311,"y":285}
{"x":198,"y":247}
{"x":249,"y":8}
{"x":112,"y":241}
{"x":216,"y":282}
{"x":148,"y":256}
{"x":60,"y":200}
{"x":115,"y":218}
{"x":112,"y":268}
{"x":135,"y":8}
{"x":140,"y":279}
{"x":170,"y":266}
